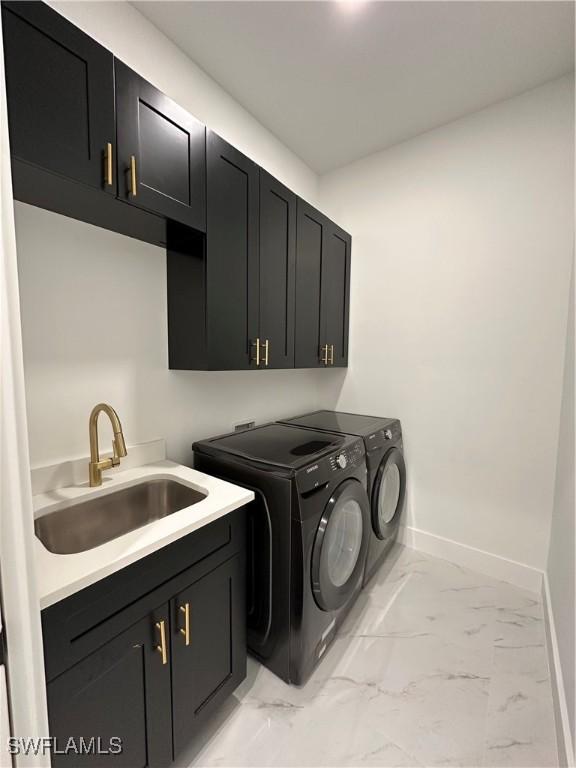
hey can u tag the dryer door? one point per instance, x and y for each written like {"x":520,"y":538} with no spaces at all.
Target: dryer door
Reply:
{"x":388,"y":494}
{"x":340,"y":545}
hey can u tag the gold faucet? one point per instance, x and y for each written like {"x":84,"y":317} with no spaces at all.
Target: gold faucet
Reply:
{"x":118,"y":445}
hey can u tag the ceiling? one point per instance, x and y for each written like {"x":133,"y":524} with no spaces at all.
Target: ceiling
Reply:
{"x":336,"y":81}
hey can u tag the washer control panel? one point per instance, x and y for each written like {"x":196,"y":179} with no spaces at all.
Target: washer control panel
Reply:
{"x":350,"y":457}
{"x":325,"y":469}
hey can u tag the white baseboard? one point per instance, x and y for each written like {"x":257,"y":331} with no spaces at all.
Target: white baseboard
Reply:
{"x":564,"y":735}
{"x":476,"y":559}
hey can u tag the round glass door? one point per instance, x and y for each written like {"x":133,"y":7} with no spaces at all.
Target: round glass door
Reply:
{"x":389,"y":494}
{"x":340,"y":545}
{"x":343,"y":540}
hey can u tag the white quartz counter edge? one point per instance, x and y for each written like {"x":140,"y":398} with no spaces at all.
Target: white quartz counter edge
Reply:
{"x":60,"y":576}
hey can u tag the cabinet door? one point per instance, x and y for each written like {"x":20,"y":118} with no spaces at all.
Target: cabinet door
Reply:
{"x":60,"y":91}
{"x":161,"y":152}
{"x":208,"y":646}
{"x":336,"y":293}
{"x":121,"y":690}
{"x":309,"y":330}
{"x":277,"y":272}
{"x":231,"y":256}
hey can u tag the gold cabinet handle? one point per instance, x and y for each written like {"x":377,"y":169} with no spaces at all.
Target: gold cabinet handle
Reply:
{"x":331,"y":354}
{"x":108,"y":165}
{"x":132,"y":170}
{"x":324,"y":354}
{"x":162,"y":649}
{"x":256,"y":345}
{"x":185,"y":609}
{"x":266,"y":351}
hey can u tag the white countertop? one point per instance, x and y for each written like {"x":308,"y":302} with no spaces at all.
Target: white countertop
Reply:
{"x":59,"y":576}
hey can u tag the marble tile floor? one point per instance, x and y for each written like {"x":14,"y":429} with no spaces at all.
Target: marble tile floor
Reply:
{"x":435,"y":666}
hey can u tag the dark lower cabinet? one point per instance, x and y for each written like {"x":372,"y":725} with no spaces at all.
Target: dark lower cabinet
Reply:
{"x":322,"y":291}
{"x":60,"y":93}
{"x":132,"y":686}
{"x":161,"y":152}
{"x":208,"y":647}
{"x":117,"y":698}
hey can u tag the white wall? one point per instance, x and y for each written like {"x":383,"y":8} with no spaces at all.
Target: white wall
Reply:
{"x":94,"y":303}
{"x":561,"y":562}
{"x":462,"y":244}
{"x":94,"y":328}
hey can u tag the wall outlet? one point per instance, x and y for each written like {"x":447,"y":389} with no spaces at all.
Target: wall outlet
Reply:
{"x":240,"y":426}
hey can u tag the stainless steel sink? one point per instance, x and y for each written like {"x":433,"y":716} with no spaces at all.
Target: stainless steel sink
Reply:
{"x":88,"y":524}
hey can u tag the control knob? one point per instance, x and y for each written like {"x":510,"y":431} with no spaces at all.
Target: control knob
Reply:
{"x":388,"y":434}
{"x":342,"y":461}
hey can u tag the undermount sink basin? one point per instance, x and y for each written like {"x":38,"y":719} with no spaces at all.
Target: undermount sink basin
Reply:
{"x":89,"y":523}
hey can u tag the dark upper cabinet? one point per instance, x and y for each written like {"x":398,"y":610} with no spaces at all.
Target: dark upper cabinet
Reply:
{"x":231,"y":256}
{"x":309,"y":335}
{"x":161,"y":152}
{"x":208,"y":647}
{"x":277,"y":273}
{"x":60,"y":91}
{"x":322,"y":290}
{"x":335,"y":293}
{"x":121,"y":690}
{"x":231,"y":300}
{"x":269,"y":288}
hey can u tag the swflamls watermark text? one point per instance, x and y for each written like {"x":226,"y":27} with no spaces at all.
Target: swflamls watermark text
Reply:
{"x":74,"y":745}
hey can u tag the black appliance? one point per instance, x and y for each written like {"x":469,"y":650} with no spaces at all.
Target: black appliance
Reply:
{"x":309,"y":528}
{"x":386,"y":472}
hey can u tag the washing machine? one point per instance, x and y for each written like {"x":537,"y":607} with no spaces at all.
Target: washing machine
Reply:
{"x":309,"y":528}
{"x":386,"y":472}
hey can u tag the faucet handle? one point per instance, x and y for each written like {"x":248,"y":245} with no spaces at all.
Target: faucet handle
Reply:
{"x":119,"y":446}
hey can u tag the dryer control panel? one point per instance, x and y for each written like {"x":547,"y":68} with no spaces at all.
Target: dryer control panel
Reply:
{"x":388,"y":435}
{"x":324,"y":470}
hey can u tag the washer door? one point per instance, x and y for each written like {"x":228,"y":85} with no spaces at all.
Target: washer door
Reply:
{"x":340,"y":545}
{"x":388,"y":494}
